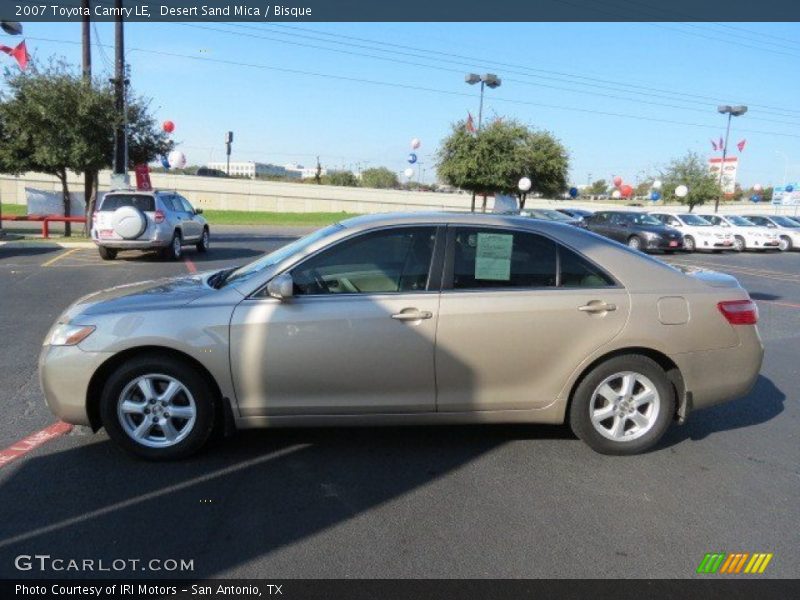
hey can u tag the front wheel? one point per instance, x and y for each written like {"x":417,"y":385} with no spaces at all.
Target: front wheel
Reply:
{"x":785,"y":243}
{"x":158,"y":408}
{"x":623,"y":406}
{"x":738,"y":243}
{"x":635,"y":242}
{"x":688,"y":243}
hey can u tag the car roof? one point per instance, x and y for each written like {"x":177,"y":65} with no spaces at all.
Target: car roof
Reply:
{"x":441,"y":218}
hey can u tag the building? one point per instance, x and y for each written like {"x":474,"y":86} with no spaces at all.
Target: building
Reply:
{"x":249,"y":169}
{"x":296,"y":170}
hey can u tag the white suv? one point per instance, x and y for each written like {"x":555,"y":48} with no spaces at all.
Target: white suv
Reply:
{"x":746,"y":234}
{"x":698,"y":234}
{"x":787,"y":230}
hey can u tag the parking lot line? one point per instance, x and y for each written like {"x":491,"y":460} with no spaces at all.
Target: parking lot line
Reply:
{"x":190,"y":266}
{"x":60,"y":256}
{"x":33,"y":441}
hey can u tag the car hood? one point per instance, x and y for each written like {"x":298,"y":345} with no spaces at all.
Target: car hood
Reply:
{"x":144,"y":295}
{"x":659,"y":229}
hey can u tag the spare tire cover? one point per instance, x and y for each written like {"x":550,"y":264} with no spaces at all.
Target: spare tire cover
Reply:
{"x":129,"y":222}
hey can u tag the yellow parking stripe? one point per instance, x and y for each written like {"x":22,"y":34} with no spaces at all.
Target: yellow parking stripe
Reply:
{"x":59,"y":257}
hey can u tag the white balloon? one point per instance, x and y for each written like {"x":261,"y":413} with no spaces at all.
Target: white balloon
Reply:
{"x":415,"y":143}
{"x":657,"y":185}
{"x":524,"y":184}
{"x":616,"y":194}
{"x":409,"y":172}
{"x":757,"y":187}
{"x":681,"y":191}
{"x":176,"y":159}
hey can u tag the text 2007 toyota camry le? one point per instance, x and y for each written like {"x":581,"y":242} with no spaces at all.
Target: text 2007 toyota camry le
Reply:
{"x":418,"y":318}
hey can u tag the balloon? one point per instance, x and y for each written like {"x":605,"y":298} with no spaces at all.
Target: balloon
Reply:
{"x":409,"y":172}
{"x":524,"y":184}
{"x":755,"y":198}
{"x":626,"y":190}
{"x":655,"y":196}
{"x":412,"y":158}
{"x":757,"y":188}
{"x":168,"y":126}
{"x":177,"y":159}
{"x":164,"y":162}
{"x":415,"y":143}
{"x":615,"y":194}
{"x":573,"y":192}
{"x":681,"y":191}
{"x":657,"y":184}
{"x":789,"y":188}
{"x":617,"y":181}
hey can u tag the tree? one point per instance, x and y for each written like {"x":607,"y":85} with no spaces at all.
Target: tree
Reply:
{"x":379,"y":177}
{"x":343,"y":178}
{"x":54,"y":121}
{"x":643,"y":188}
{"x":597,"y":187}
{"x":692,"y":172}
{"x":494,"y":159}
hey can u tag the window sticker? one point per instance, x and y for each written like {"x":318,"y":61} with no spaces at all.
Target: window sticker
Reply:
{"x":493,"y":256}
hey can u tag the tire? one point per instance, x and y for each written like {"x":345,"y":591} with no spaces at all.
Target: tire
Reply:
{"x":107,"y":253}
{"x":688,"y":244}
{"x":635,"y":242}
{"x":628,"y":438}
{"x":738,"y":244}
{"x":128,"y":222}
{"x":785,"y":243}
{"x":175,"y":249}
{"x":194,"y":399}
{"x":203,"y":244}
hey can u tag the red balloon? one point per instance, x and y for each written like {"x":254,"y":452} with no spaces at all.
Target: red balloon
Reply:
{"x":626,"y":191}
{"x":168,"y":126}
{"x":617,"y":181}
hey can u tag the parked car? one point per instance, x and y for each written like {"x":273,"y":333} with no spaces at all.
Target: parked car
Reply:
{"x":638,"y":230}
{"x":158,"y":220}
{"x":576,"y":213}
{"x":746,"y":234}
{"x":698,"y":234}
{"x":408,"y":318}
{"x":788,"y":229}
{"x":553,"y":215}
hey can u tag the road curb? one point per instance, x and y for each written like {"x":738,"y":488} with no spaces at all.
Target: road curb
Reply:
{"x":43,"y":244}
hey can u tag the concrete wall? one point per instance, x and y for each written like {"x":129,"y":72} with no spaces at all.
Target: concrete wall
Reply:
{"x":251,"y":195}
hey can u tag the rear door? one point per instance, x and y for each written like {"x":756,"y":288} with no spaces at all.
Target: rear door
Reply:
{"x":518,"y":313}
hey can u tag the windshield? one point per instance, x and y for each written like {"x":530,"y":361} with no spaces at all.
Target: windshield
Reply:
{"x":740,"y":222}
{"x":643,"y":219}
{"x":785,"y":222}
{"x":280,"y":254}
{"x":694,"y":220}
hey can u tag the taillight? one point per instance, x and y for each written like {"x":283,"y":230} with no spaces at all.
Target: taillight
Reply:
{"x":159,"y":216}
{"x":739,"y":312}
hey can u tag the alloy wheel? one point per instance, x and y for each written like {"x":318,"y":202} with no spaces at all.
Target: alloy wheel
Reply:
{"x":625,"y":406}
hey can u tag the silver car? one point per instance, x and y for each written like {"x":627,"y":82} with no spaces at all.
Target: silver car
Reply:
{"x":158,"y":220}
{"x":408,"y":318}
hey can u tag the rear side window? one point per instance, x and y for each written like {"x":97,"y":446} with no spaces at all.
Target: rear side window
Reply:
{"x":140,"y":201}
{"x":576,"y":271}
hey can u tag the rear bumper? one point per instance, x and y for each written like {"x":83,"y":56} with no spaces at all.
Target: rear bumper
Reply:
{"x":131,"y":244}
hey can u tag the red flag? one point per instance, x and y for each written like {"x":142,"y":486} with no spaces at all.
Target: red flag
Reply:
{"x":470,"y":123}
{"x":20,"y":53}
{"x":714,"y":145}
{"x":741,"y":144}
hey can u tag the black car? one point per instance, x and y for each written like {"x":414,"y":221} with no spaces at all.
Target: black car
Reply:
{"x":638,"y":230}
{"x":576,"y":213}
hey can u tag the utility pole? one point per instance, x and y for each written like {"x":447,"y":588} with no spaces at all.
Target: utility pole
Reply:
{"x":120,"y":176}
{"x":228,"y":142}
{"x":86,"y":42}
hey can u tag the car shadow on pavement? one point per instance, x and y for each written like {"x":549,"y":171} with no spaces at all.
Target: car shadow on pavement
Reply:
{"x":763,"y":403}
{"x":9,"y":251}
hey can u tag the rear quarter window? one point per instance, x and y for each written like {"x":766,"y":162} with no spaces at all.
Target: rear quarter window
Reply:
{"x":140,"y":201}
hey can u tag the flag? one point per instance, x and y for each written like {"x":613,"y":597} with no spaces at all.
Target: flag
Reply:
{"x":470,"y":123}
{"x":20,"y":53}
{"x":741,"y":144}
{"x":714,"y":145}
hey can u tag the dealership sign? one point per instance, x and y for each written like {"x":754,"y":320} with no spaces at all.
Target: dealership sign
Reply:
{"x":728,"y":173}
{"x":786,"y":195}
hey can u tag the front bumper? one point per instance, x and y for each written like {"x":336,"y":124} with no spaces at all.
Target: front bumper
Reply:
{"x":64,"y":374}
{"x":663,"y":244}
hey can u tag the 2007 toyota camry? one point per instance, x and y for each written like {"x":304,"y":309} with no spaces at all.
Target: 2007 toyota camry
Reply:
{"x":408,"y":318}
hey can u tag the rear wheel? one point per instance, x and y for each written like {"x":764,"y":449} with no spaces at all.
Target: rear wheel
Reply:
{"x":107,"y":253}
{"x":738,"y":243}
{"x":688,"y":243}
{"x":203,"y":244}
{"x":623,"y":406}
{"x":785,"y":243}
{"x":175,"y":248}
{"x":158,"y":408}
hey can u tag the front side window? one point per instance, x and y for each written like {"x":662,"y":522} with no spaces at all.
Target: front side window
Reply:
{"x":184,"y":203}
{"x":394,"y":260}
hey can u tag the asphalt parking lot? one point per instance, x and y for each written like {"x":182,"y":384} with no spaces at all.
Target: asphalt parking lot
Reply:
{"x":450,"y":502}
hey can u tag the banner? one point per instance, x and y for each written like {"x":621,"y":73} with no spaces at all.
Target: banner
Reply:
{"x":782,"y":197}
{"x":728,"y":173}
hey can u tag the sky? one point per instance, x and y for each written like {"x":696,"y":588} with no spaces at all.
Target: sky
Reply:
{"x":624,"y":98}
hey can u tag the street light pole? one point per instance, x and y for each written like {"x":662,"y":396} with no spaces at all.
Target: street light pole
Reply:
{"x":731,"y":111}
{"x":120,"y":177}
{"x":493,"y":81}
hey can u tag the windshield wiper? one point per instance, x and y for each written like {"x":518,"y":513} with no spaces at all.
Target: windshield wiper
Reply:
{"x":218,"y":279}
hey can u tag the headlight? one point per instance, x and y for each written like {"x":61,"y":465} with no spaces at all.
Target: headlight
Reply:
{"x":66,"y":334}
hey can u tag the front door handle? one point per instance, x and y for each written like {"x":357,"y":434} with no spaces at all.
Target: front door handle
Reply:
{"x":597,"y":306}
{"x":412,"y":314}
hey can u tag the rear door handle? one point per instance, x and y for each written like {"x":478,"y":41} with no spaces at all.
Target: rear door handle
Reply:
{"x":412,"y":314}
{"x":597,"y":307}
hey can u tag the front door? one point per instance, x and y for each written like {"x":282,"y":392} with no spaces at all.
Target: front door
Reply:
{"x":518,"y":313}
{"x":357,"y":336}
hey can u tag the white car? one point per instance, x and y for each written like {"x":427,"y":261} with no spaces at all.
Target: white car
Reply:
{"x":698,"y":233}
{"x":788,"y":230}
{"x":746,"y":234}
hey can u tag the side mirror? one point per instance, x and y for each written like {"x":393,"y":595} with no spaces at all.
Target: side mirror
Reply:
{"x":198,"y":211}
{"x":281,"y":286}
